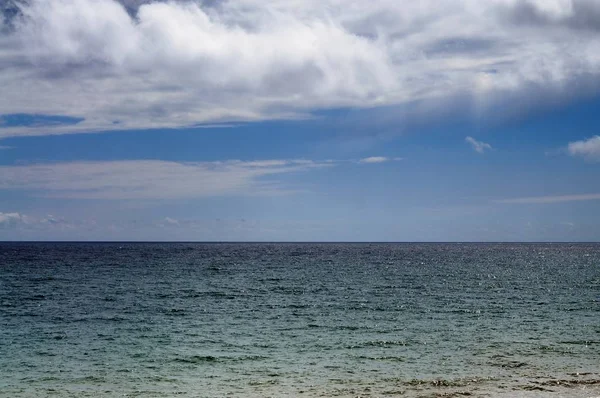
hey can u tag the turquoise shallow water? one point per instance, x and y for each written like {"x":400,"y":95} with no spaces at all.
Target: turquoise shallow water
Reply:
{"x":276,"y":320}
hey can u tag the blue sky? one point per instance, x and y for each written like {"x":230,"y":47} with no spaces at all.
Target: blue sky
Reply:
{"x":300,"y":122}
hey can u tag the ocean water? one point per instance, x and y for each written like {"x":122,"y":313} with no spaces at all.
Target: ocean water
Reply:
{"x":299,"y":320}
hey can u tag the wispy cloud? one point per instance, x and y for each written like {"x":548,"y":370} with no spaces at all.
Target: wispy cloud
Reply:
{"x":588,"y":149}
{"x":179,"y":63}
{"x":378,"y":159}
{"x":147,"y":179}
{"x":478,"y":146}
{"x":168,"y":221}
{"x":551,"y":199}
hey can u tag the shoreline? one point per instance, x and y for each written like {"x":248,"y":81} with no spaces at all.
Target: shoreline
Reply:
{"x":584,"y":385}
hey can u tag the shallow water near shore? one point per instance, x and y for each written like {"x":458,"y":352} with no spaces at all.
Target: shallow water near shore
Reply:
{"x":276,"y":320}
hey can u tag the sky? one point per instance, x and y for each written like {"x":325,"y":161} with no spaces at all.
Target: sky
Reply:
{"x":289,"y":120}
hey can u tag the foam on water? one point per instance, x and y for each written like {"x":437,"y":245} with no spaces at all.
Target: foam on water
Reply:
{"x":275,"y":320}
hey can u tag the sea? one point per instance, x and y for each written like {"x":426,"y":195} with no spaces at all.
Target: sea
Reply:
{"x":299,"y":320}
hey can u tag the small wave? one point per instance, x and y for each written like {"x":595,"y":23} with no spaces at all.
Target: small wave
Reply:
{"x":509,"y":364}
{"x":216,"y":294}
{"x":28,"y":314}
{"x":162,"y":379}
{"x":352,"y":328}
{"x":547,"y":385}
{"x":110,"y":318}
{"x":580,"y":342}
{"x":174,"y":312}
{"x":91,"y":379}
{"x":217,"y":268}
{"x":195,"y":359}
{"x":382,"y":358}
{"x":569,"y":383}
{"x":529,"y":387}
{"x":298,"y":306}
{"x":270,"y":280}
{"x":49,"y":378}
{"x":381,"y":343}
{"x":293,"y":290}
{"x":45,"y":279}
{"x":555,"y":349}
{"x":448,"y":383}
{"x":262,"y":382}
{"x":45,"y":354}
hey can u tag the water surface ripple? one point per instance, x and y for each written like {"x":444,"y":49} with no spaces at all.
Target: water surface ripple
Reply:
{"x":310,"y":320}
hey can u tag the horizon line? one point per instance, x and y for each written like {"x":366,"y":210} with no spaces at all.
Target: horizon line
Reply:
{"x":296,"y":242}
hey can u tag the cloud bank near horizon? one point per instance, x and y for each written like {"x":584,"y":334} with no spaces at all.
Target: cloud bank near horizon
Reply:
{"x":157,"y":179}
{"x":155,"y":64}
{"x":152,"y":179}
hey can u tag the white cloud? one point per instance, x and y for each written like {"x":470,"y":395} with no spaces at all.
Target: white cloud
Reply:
{"x":478,"y":146}
{"x":374,"y":159}
{"x":170,"y":221}
{"x":10,"y":219}
{"x":552,"y":199}
{"x":20,"y":219}
{"x":145,"y":179}
{"x":379,"y":159}
{"x":52,"y":220}
{"x":19,"y":222}
{"x":179,"y":63}
{"x":588,"y":149}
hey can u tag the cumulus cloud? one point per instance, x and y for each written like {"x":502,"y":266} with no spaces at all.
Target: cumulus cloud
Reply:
{"x":478,"y":146}
{"x":19,"y":222}
{"x":9,"y":220}
{"x":152,"y":179}
{"x":588,"y":149}
{"x":139,"y":64}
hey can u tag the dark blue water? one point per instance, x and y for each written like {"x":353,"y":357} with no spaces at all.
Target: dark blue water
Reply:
{"x":278,"y":320}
